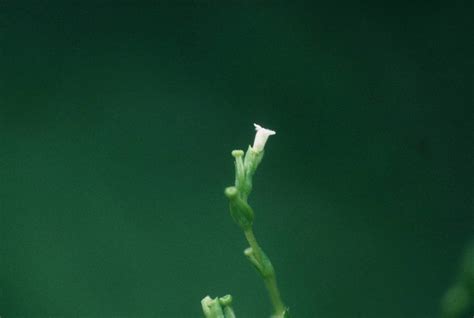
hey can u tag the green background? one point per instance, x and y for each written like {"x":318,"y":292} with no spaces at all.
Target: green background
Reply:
{"x":116,"y":125}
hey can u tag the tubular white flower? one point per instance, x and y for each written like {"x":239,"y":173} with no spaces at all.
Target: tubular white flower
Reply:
{"x":261,"y":137}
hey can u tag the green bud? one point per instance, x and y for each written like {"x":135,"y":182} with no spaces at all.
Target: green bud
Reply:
{"x":251,"y":256}
{"x":237,"y":153}
{"x":261,"y":263}
{"x":240,"y":211}
{"x":218,"y":307}
{"x":212,"y":308}
{"x":226,"y":303}
{"x":239,"y":168}
{"x":225,"y":300}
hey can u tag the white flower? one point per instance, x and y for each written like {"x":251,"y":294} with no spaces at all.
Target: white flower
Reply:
{"x":261,"y":137}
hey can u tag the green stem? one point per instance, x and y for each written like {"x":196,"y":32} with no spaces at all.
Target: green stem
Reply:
{"x":268,"y":274}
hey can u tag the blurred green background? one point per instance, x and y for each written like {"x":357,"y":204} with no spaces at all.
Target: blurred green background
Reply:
{"x":117,"y":121}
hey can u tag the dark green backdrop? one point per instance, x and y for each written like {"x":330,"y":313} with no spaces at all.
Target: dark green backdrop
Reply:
{"x":116,"y":126}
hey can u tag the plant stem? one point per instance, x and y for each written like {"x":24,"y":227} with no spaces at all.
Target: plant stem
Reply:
{"x":268,"y":274}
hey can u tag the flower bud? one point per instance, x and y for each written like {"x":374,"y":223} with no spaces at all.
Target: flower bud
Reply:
{"x":239,"y":168}
{"x":240,"y":211}
{"x":212,"y":308}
